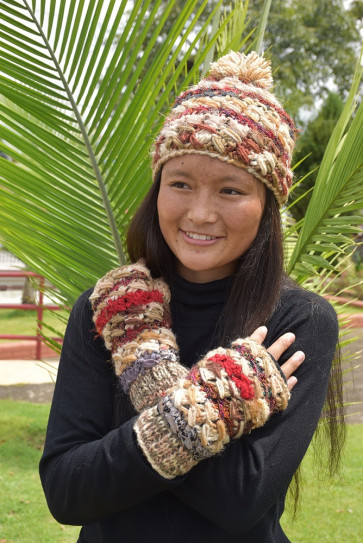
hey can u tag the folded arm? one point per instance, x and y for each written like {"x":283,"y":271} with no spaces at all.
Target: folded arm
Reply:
{"x":256,"y":470}
{"x":90,"y":469}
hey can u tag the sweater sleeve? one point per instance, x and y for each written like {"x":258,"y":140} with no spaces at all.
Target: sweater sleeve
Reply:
{"x":89,"y":469}
{"x":237,"y":489}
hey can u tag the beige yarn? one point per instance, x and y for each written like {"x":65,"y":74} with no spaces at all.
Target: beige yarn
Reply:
{"x":186,"y":415}
{"x":231,"y":115}
{"x":251,"y":68}
{"x":140,"y":332}
{"x":161,"y":447}
{"x":194,"y":415}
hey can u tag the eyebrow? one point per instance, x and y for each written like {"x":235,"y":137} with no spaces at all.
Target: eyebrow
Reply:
{"x":182,"y":173}
{"x":225,"y":179}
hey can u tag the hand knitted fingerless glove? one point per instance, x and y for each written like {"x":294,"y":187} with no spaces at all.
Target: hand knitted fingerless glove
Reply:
{"x":131,"y":313}
{"x":228,"y":393}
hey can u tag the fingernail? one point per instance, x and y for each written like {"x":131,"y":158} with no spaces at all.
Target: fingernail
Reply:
{"x":290,"y":336}
{"x":292,"y":380}
{"x":300,"y":355}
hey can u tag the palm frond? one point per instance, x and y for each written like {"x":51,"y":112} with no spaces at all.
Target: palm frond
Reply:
{"x":329,"y":224}
{"x":81,"y":96}
{"x":262,"y":25}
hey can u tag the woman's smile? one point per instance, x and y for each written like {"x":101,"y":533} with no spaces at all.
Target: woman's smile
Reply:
{"x":209,"y":214}
{"x":201,"y":239}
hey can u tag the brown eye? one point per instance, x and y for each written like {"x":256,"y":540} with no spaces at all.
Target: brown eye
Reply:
{"x":179,"y":185}
{"x":232,"y":192}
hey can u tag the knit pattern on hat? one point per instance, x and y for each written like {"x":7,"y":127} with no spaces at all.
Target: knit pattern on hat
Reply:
{"x":228,"y":393}
{"x":131,"y":313}
{"x":231,"y":115}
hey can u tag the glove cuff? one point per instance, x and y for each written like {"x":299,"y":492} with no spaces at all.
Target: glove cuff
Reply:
{"x":151,"y":383}
{"x":164,"y":451}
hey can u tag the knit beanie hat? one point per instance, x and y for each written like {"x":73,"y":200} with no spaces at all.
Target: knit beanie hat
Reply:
{"x":231,"y":115}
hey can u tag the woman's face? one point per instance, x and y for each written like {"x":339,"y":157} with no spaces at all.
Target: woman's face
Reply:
{"x":209,"y":214}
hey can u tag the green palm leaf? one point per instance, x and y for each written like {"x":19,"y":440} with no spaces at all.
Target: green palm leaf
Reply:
{"x":82,"y":92}
{"x":329,"y":224}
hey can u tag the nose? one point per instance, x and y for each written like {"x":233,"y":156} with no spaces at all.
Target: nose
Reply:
{"x":202,"y":209}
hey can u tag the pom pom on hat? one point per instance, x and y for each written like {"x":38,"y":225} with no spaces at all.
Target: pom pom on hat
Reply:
{"x":232,"y":116}
{"x":248,"y":69}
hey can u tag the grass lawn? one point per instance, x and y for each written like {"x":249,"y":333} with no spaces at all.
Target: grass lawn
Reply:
{"x":330,"y":513}
{"x":24,"y":517}
{"x":19,"y":322}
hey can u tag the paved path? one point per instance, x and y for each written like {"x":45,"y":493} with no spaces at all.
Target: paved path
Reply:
{"x":19,"y":372}
{"x":28,"y":380}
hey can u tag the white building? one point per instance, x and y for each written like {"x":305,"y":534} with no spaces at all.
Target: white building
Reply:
{"x":11,"y":288}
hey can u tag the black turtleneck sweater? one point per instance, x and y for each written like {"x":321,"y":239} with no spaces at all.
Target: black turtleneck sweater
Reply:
{"x":196,"y":309}
{"x":94,"y":474}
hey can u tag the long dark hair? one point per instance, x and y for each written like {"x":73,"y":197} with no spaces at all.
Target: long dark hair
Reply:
{"x":255,"y":291}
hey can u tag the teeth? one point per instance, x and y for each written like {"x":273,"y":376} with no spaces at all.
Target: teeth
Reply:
{"x":199,"y":236}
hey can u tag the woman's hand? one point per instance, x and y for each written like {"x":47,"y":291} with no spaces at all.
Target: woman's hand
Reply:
{"x":278,"y":348}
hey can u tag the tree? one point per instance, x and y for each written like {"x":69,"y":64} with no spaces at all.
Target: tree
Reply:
{"x":356,"y":11}
{"x":313,"y":45}
{"x":80,"y":166}
{"x":324,"y":234}
{"x":80,"y":149}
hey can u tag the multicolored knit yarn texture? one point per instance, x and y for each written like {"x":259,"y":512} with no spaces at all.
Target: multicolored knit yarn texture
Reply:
{"x":131,"y":313}
{"x":231,"y":115}
{"x":228,"y":393}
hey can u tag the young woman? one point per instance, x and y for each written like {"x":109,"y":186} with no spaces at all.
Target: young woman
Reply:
{"x":196,"y":429}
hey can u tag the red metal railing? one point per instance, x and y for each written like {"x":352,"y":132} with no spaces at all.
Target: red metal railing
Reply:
{"x":39,"y":307}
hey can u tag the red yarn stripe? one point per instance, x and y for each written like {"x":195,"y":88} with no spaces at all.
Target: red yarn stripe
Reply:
{"x":243,"y":119}
{"x":243,"y":383}
{"x":253,"y":125}
{"x":131,"y":299}
{"x":240,"y":94}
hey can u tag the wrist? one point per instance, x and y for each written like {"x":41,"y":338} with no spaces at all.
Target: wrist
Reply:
{"x":160,"y":446}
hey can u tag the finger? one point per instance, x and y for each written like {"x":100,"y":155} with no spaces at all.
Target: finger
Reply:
{"x":291,"y":382}
{"x":292,"y":364}
{"x":281,"y":345}
{"x":259,"y":334}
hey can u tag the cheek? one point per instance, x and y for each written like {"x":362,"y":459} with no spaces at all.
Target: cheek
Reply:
{"x":162,"y":207}
{"x":167,"y":216}
{"x":248,"y":219}
{"x":169,"y":208}
{"x":256,"y":218}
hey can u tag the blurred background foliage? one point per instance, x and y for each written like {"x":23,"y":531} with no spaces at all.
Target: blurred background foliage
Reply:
{"x":83,"y":89}
{"x":313,"y":46}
